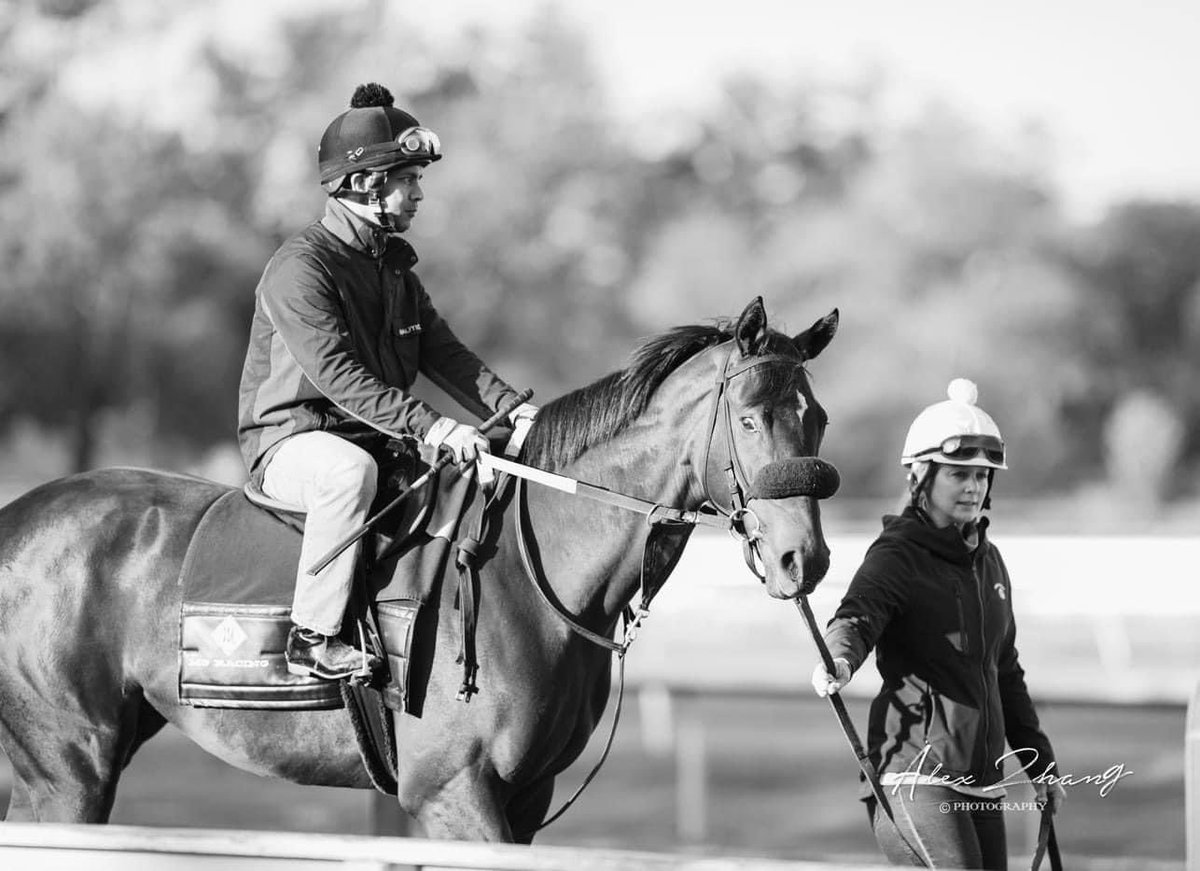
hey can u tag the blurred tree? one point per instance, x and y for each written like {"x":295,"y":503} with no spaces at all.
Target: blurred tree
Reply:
{"x":115,"y":253}
{"x":137,"y":210}
{"x":1143,"y":439}
{"x":932,"y":244}
{"x":119,"y":267}
{"x":1139,"y":324}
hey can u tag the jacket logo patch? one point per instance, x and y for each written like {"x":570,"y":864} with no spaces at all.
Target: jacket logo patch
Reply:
{"x":409,"y":330}
{"x":1000,"y":591}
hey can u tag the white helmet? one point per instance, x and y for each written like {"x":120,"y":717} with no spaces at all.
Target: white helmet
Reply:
{"x":956,"y":432}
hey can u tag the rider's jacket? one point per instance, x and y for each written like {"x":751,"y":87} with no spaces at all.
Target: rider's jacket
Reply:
{"x":938,"y":612}
{"x":342,"y":325}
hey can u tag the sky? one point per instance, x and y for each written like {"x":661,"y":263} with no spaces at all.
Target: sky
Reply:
{"x":1113,"y":81}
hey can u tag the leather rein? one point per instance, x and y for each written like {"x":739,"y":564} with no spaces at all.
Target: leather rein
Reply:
{"x":734,"y":519}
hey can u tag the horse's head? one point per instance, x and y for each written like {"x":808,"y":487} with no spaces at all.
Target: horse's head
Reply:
{"x":761,"y":464}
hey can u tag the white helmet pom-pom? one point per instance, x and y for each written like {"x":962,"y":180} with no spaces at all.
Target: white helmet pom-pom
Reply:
{"x":963,"y":390}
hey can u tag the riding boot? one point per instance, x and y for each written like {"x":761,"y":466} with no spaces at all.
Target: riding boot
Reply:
{"x":310,"y":653}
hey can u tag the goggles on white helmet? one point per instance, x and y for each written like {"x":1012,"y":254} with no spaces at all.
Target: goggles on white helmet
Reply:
{"x":955,"y":432}
{"x":961,"y":448}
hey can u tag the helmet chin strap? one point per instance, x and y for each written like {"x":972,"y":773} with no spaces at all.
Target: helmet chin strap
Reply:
{"x":381,"y":213}
{"x":373,"y":199}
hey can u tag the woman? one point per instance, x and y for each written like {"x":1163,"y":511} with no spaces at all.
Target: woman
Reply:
{"x":933,"y":598}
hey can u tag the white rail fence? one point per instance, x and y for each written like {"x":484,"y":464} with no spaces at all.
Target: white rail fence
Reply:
{"x":131,"y":848}
{"x":1100,"y":619}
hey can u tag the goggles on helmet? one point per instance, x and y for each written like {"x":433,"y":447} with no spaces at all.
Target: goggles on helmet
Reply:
{"x":968,"y":447}
{"x":420,"y":143}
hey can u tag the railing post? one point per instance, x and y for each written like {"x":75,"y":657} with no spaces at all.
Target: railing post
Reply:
{"x":691,"y":778}
{"x":1191,"y":779}
{"x":656,"y":710}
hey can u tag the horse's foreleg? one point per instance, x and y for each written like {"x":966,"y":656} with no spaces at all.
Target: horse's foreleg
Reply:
{"x":464,"y":809}
{"x":20,"y":810}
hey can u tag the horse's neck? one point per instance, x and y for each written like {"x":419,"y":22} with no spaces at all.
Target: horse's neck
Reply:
{"x":592,"y":553}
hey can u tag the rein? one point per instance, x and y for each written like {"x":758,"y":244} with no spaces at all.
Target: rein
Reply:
{"x":658,"y":518}
{"x":921,"y":856}
{"x":732,"y":519}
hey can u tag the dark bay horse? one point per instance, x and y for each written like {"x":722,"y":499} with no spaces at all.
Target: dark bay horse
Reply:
{"x":89,"y":598}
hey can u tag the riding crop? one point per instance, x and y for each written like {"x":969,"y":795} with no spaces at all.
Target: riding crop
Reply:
{"x":444,"y":459}
{"x":860,"y":754}
{"x":1046,"y":837}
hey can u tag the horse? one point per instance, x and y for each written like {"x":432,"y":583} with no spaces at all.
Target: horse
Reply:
{"x":90,"y":604}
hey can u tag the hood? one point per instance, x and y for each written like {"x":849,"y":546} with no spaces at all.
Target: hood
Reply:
{"x":947,"y":543}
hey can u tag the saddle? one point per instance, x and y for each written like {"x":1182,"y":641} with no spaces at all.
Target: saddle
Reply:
{"x":238,"y":578}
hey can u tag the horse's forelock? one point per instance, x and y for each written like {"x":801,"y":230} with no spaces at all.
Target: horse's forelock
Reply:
{"x":775,"y":383}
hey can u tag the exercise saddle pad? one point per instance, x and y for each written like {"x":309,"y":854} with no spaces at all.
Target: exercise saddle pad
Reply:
{"x":238,"y":578}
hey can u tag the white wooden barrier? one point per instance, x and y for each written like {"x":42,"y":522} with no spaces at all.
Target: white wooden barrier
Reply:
{"x":713,"y":625}
{"x":130,"y":848}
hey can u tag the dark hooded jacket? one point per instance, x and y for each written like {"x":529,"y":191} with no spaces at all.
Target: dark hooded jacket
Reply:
{"x":938,"y":613}
{"x":342,"y":326}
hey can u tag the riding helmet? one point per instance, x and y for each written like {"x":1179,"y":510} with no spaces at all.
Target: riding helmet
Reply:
{"x":373,"y":135}
{"x":955,"y":432}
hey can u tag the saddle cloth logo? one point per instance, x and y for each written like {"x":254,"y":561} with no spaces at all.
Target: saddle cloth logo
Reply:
{"x":228,"y":636}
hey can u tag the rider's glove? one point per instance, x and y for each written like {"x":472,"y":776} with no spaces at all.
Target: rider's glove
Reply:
{"x":464,"y":442}
{"x":521,"y":419}
{"x":824,"y":684}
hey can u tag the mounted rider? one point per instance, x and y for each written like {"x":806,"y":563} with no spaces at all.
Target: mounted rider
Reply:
{"x":342,"y":326}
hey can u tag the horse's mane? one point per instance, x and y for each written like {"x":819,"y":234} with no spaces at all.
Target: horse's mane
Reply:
{"x":566,"y":427}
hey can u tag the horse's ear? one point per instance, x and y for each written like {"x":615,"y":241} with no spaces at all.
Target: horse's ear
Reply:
{"x":751,"y":329}
{"x":812,"y":341}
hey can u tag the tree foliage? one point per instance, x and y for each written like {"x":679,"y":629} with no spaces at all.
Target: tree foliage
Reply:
{"x":135,"y":223}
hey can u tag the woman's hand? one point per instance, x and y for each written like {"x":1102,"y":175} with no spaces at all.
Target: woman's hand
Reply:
{"x":824,"y":685}
{"x":1051,"y":794}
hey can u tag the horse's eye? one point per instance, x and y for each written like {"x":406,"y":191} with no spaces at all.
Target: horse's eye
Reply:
{"x":749,"y":425}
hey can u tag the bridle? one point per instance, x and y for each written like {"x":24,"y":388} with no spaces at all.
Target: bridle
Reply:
{"x":737,"y":519}
{"x":661,"y":518}
{"x":738,"y":484}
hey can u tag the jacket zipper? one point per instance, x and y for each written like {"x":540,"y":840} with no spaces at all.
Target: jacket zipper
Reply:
{"x":962,"y":620}
{"x":983,"y":688}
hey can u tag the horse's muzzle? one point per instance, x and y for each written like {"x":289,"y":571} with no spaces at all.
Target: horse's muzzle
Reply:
{"x":796,"y":476}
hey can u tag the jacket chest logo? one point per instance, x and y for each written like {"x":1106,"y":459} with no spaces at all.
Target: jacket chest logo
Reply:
{"x":1000,"y":590}
{"x":409,"y":330}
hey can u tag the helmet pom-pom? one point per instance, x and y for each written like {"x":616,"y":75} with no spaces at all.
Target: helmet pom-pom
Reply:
{"x":964,"y":391}
{"x":371,"y":94}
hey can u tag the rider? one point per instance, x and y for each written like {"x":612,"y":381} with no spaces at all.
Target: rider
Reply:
{"x":342,"y":326}
{"x":933,"y":598}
